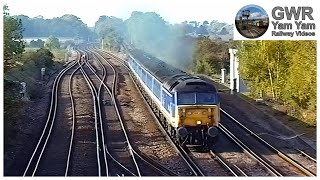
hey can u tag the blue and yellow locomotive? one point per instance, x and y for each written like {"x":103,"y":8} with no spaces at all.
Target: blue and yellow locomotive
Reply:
{"x":187,"y":105}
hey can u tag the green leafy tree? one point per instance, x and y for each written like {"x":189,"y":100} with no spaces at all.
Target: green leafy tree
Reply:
{"x":264,"y":64}
{"x":301,"y":85}
{"x":113,"y":40}
{"x":112,"y":30}
{"x":43,"y":58}
{"x":37,"y":44}
{"x":284,"y":70}
{"x":67,"y":25}
{"x":209,"y":56}
{"x":13,"y":45}
{"x":52,"y":43}
{"x":12,"y":108}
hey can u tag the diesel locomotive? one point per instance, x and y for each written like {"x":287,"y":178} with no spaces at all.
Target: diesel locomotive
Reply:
{"x":187,"y":105}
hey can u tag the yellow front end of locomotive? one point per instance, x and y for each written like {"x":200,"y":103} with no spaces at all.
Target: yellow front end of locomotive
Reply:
{"x":208,"y":115}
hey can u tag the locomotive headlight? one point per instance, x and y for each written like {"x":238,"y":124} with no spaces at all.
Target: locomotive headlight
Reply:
{"x":199,"y":122}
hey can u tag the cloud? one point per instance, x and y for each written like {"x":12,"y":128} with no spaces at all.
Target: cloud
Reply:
{"x":257,"y":15}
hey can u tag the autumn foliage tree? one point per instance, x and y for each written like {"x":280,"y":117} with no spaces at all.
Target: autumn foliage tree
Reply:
{"x":284,"y":70}
{"x":210,"y":56}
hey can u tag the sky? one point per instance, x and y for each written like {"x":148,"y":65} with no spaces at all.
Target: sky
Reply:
{"x":255,"y":12}
{"x":173,"y":11}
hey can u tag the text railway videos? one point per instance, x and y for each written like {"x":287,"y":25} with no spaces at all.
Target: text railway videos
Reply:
{"x":298,"y":27}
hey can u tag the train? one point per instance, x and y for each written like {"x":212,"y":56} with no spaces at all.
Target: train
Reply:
{"x":188,"y":106}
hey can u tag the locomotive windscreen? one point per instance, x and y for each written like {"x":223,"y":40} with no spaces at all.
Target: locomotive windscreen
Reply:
{"x":194,"y":98}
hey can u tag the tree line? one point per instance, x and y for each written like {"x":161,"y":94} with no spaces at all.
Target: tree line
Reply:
{"x":285,"y":71}
{"x":67,"y":25}
{"x":173,"y":43}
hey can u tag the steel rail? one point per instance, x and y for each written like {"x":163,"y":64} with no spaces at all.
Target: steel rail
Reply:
{"x":189,"y":162}
{"x":307,"y":155}
{"x":94,"y":97}
{"x":150,"y":162}
{"x":222,"y":161}
{"x":50,"y":119}
{"x":73,"y":121}
{"x":105,"y":86}
{"x":112,"y":94}
{"x":247,"y":150}
{"x":280,"y":154}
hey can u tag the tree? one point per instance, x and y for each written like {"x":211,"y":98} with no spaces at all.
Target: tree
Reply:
{"x":37,"y":44}
{"x":52,"y":43}
{"x":43,"y":58}
{"x":284,"y":70}
{"x":148,"y":31}
{"x":209,"y":56}
{"x":111,"y":30}
{"x":202,"y":30}
{"x":12,"y":39}
{"x":67,"y":25}
{"x":264,"y":64}
{"x":301,"y":84}
{"x":112,"y":40}
{"x":205,"y":23}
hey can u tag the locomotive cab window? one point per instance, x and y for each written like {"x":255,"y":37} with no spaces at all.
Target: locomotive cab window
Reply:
{"x":196,"y":98}
{"x":206,"y":98}
{"x":186,"y":98}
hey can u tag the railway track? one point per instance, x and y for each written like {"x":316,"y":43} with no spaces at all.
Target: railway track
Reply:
{"x":150,"y":167}
{"x":279,"y":161}
{"x":231,"y":156}
{"x":108,"y":140}
{"x":82,"y":132}
{"x":269,"y":165}
{"x":261,"y":163}
{"x":95,"y":86}
{"x":194,"y":168}
{"x":38,"y":152}
{"x":193,"y":163}
{"x":123,"y":145}
{"x":226,"y":164}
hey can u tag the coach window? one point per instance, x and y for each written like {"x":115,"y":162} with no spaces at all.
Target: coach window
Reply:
{"x":157,"y":89}
{"x":143,"y":75}
{"x":173,"y":106}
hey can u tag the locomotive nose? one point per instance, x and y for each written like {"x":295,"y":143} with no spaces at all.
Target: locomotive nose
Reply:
{"x":213,"y":131}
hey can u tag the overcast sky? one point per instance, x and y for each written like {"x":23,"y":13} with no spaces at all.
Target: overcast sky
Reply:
{"x":174,"y":11}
